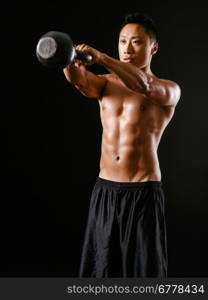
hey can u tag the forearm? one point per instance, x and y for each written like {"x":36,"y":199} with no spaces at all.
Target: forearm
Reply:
{"x":132,"y":76}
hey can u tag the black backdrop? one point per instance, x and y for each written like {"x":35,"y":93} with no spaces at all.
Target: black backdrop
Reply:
{"x":50,"y":135}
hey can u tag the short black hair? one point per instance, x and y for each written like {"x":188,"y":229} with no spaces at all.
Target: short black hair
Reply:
{"x":143,"y":20}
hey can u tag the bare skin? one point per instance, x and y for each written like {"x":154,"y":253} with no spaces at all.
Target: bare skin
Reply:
{"x":135,"y":106}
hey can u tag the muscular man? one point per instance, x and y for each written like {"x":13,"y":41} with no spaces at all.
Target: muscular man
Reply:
{"x":126,"y":230}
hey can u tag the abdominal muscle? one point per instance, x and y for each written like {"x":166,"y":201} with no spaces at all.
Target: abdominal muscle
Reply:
{"x":129,"y":158}
{"x":129,"y":150}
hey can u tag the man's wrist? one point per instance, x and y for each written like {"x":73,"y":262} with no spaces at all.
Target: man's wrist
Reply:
{"x":101,"y":59}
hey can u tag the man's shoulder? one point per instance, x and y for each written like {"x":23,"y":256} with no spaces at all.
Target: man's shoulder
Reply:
{"x":171,"y":85}
{"x":168,"y":82}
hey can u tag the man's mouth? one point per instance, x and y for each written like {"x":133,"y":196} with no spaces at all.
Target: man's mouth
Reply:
{"x":128,"y":59}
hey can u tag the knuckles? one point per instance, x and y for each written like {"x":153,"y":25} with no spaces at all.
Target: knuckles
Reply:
{"x":82,"y":47}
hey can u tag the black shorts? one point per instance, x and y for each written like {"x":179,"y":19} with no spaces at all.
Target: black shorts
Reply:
{"x":126,"y":231}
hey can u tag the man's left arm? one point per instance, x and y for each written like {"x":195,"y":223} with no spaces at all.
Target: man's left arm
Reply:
{"x":160,"y":91}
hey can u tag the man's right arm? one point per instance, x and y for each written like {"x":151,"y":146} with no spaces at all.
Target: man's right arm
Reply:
{"x":89,"y":84}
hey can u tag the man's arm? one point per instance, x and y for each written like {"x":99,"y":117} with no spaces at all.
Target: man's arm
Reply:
{"x":160,"y":91}
{"x":89,"y":84}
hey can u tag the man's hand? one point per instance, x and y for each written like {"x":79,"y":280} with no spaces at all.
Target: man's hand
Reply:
{"x":95,"y":55}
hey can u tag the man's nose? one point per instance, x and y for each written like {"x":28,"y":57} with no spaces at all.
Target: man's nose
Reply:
{"x":128,"y":48}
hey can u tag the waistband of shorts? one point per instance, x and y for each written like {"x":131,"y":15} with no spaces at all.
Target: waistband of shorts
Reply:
{"x":134,"y":184}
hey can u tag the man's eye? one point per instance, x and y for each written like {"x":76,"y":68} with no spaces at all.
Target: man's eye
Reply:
{"x":122,"y":41}
{"x":137,"y":41}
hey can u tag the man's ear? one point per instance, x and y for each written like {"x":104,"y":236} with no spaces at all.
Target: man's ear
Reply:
{"x":154,"y":48}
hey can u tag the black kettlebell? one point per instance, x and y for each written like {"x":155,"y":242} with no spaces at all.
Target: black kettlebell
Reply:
{"x":56,"y":50}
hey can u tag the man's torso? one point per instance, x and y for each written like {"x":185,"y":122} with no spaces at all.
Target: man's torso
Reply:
{"x":132,"y":129}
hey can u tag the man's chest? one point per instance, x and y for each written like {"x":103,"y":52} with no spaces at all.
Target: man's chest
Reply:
{"x":119,"y":101}
{"x":121,"y":104}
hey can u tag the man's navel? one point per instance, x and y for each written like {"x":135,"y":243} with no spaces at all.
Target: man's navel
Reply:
{"x":117,"y":158}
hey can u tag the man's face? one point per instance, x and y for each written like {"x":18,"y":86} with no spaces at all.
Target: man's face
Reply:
{"x":135,"y":45}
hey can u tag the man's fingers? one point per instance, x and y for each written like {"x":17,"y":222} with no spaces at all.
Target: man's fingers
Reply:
{"x":81,"y":47}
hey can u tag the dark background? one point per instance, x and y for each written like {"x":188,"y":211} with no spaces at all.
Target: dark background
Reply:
{"x":50,"y":135}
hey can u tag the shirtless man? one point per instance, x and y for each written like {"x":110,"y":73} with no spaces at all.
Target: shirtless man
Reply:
{"x":126,"y":230}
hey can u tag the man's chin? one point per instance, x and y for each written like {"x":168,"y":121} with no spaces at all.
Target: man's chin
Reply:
{"x":131,"y":63}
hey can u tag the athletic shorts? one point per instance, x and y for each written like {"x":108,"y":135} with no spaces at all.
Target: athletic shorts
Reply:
{"x":126,"y":231}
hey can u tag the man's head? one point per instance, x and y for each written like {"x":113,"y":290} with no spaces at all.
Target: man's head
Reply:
{"x":138,"y":40}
